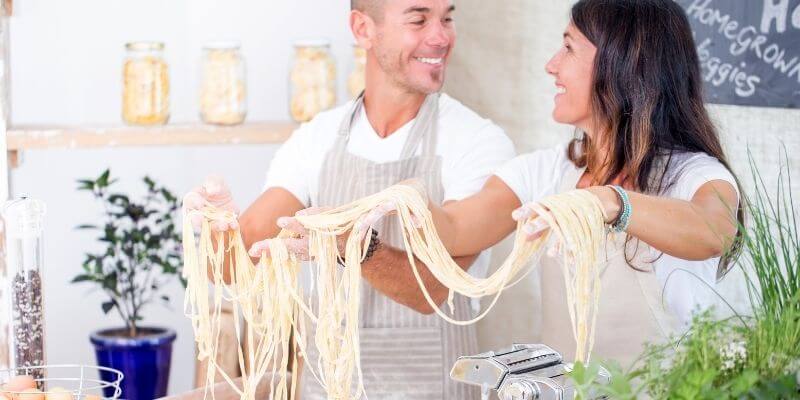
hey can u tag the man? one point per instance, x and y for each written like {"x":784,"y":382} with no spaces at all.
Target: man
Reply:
{"x":400,"y":128}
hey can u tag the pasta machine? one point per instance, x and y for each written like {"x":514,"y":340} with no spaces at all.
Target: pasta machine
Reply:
{"x":522,"y":372}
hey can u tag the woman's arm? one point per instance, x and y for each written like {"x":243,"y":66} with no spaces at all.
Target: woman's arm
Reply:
{"x":699,"y":229}
{"x":478,"y":222}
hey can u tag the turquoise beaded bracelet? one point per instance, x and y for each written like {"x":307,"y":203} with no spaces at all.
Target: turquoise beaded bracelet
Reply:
{"x":624,"y":219}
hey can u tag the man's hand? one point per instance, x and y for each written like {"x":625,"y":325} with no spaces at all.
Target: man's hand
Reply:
{"x":214,"y":192}
{"x":297,"y":245}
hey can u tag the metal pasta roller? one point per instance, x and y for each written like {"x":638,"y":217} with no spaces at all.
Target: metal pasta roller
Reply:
{"x":522,"y":372}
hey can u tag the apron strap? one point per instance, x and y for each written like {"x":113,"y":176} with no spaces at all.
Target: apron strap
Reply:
{"x":424,"y":128}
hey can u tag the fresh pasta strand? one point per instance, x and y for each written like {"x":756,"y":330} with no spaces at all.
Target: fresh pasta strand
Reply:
{"x":269,"y":295}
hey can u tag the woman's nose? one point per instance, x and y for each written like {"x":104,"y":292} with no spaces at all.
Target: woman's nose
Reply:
{"x":552,"y":66}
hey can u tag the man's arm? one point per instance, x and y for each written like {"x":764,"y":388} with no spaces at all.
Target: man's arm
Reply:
{"x":389,"y":272}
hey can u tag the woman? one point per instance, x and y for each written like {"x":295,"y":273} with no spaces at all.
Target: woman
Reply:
{"x":628,"y":79}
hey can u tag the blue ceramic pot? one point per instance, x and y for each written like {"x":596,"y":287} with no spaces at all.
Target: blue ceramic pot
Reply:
{"x":143,"y":360}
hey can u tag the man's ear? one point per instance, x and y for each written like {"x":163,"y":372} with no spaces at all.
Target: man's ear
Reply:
{"x":363,"y":28}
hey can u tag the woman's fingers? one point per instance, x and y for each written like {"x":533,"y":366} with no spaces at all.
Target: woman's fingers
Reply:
{"x":523,"y":213}
{"x":535,"y":229}
{"x":311,"y":211}
{"x":292,"y":224}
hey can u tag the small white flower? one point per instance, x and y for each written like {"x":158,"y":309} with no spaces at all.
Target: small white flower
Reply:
{"x":733,"y":354}
{"x":793,"y":366}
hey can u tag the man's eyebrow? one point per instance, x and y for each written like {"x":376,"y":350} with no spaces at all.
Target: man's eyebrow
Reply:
{"x":425,"y":10}
{"x":417,"y":9}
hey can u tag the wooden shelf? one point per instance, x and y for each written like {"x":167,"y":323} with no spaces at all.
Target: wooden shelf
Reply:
{"x":47,"y":137}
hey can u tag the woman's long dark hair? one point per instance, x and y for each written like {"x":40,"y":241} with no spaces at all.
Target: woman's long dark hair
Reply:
{"x":647,"y":97}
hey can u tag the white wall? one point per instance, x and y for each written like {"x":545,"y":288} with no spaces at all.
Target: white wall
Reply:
{"x":66,"y":59}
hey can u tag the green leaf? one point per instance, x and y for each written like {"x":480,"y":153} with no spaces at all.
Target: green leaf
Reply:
{"x":149,"y":182}
{"x":85,"y":184}
{"x":102,"y":181}
{"x":110,"y":282}
{"x":165,"y":298}
{"x":107,"y":306}
{"x":168,"y":195}
{"x":743,"y":383}
{"x":82,"y":278}
{"x":119,"y":199}
{"x":80,"y":227}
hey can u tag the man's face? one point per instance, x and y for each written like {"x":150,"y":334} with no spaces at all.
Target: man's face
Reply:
{"x":413,"y":43}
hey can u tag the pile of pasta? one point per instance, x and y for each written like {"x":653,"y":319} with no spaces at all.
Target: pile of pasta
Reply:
{"x":279,"y":311}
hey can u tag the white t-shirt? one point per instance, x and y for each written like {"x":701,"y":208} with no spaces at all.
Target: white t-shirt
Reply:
{"x":471,"y":148}
{"x":539,"y":174}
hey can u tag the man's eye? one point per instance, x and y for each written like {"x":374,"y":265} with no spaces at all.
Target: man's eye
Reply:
{"x":418,"y":22}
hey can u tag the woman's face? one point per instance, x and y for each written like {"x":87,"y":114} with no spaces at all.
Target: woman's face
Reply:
{"x":572,"y":67}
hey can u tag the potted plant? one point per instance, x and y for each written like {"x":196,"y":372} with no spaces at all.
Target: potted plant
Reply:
{"x":141,"y":253}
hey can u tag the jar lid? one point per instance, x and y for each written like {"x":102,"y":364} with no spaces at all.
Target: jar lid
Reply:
{"x":312,"y":43}
{"x":23,"y":217}
{"x":144,"y":46}
{"x":222,"y":45}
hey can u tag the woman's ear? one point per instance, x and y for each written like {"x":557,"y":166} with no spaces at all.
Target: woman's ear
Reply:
{"x":363,"y":28}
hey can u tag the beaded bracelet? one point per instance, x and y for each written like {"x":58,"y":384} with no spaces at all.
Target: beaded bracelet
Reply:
{"x":624,"y":219}
{"x":371,"y":249}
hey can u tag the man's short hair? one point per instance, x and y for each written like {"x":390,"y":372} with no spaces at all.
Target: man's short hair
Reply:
{"x":373,"y":8}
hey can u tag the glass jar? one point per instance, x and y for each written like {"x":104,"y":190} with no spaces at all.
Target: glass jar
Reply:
{"x":312,"y":80}
{"x":23,"y":284}
{"x":357,"y":80}
{"x":145,"y":88}
{"x":223,"y":89}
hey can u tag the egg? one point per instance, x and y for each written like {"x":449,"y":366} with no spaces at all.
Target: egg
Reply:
{"x":59,"y":394}
{"x":20,"y":383}
{"x":31,"y":394}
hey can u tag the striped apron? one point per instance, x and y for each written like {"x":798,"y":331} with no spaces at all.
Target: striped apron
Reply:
{"x":404,"y":354}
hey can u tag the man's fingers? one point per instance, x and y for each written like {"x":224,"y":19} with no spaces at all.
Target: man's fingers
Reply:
{"x":259,"y":248}
{"x":193,"y":201}
{"x":292,"y":224}
{"x":196,"y":217}
{"x":220,"y":226}
{"x":298,"y":247}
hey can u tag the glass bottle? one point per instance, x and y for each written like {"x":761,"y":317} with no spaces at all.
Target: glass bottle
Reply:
{"x":223,"y":89}
{"x":23,"y":284}
{"x":312,"y":80}
{"x":145,"y":84}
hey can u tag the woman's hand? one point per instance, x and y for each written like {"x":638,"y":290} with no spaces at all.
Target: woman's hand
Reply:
{"x":609,"y":199}
{"x":536,"y":227}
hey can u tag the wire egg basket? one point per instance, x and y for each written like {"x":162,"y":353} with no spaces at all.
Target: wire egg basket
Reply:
{"x":69,"y":381}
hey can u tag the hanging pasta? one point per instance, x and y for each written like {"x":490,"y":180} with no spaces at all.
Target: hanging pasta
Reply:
{"x":270,"y":298}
